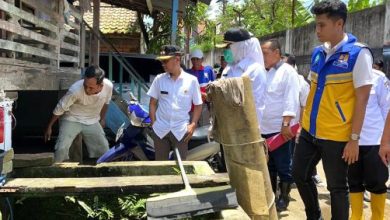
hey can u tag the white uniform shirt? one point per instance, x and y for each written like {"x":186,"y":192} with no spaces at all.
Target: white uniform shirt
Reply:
{"x":376,"y":111}
{"x":362,"y":71}
{"x":77,"y":106}
{"x":304,"y":89}
{"x":281,"y":97}
{"x":257,"y":75}
{"x":175,"y":98}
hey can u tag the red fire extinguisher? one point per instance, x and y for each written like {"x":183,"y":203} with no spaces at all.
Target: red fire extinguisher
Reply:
{"x":1,"y":125}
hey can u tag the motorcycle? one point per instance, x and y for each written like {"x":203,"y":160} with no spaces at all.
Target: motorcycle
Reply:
{"x":135,"y":143}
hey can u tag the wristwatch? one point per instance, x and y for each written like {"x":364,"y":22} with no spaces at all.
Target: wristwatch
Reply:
{"x":286,"y":124}
{"x":355,"y":137}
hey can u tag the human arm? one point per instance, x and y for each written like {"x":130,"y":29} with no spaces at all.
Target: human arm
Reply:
{"x":195,"y":118}
{"x":48,"y":130}
{"x":103,"y":115}
{"x":152,"y":110}
{"x":290,"y":101}
{"x":62,"y":106}
{"x":153,"y":93}
{"x":362,"y":80}
{"x":197,"y":101}
{"x":384,"y":149}
{"x":351,"y":150}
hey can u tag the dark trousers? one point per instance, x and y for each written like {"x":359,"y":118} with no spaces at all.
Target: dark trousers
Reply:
{"x":368,"y":173}
{"x":308,"y":153}
{"x":162,"y":146}
{"x":279,"y":163}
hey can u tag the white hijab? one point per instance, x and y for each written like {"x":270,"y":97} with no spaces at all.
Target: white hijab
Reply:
{"x":248,"y":49}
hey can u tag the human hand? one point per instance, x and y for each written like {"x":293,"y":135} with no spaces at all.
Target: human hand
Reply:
{"x":204,"y":96}
{"x":47,"y":135}
{"x":190,"y":131}
{"x":384,"y":153}
{"x":351,"y":152}
{"x":102,"y":123}
{"x":286,"y":133}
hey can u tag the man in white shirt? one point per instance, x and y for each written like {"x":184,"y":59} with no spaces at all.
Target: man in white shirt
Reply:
{"x":81,"y":109}
{"x":281,"y":107}
{"x":369,"y":172}
{"x":174,"y":91}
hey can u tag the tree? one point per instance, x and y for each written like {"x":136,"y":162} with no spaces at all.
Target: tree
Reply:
{"x":357,"y":5}
{"x":263,"y":17}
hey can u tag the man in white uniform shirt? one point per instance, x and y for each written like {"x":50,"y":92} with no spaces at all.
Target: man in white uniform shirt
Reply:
{"x":82,"y":111}
{"x":174,"y":91}
{"x":281,"y":107}
{"x":369,"y":172}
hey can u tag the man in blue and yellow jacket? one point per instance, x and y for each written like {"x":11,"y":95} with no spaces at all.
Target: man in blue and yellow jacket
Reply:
{"x":341,"y":79}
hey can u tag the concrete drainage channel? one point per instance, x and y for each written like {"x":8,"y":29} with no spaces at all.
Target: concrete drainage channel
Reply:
{"x":44,"y":192}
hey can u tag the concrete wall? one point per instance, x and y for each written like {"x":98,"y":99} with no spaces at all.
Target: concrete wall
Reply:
{"x":367,"y":25}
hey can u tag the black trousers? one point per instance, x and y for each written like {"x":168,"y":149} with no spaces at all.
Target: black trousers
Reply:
{"x":368,"y":173}
{"x":308,"y":153}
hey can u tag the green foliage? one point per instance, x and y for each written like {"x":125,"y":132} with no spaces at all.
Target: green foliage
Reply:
{"x":262,"y":17}
{"x":204,"y":36}
{"x":133,"y":207}
{"x":159,"y":31}
{"x":98,"y":210}
{"x":357,"y":5}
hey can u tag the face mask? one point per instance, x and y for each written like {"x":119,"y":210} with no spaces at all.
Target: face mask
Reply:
{"x":228,"y":55}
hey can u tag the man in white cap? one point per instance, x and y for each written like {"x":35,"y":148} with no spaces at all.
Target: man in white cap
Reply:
{"x":205,"y":74}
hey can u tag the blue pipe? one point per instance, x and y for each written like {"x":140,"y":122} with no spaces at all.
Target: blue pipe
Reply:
{"x":175,"y":8}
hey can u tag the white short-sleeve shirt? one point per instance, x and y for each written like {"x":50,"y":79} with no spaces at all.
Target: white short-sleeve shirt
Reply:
{"x":175,"y":98}
{"x":77,"y":106}
{"x":378,"y":106}
{"x":256,"y":74}
{"x":281,"y":97}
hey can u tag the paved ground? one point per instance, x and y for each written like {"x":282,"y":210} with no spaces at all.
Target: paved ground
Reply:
{"x":297,"y":209}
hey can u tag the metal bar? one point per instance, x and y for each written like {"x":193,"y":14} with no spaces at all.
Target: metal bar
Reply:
{"x":118,"y":56}
{"x":120,"y":79}
{"x":175,"y":8}
{"x":110,"y":66}
{"x":139,"y":92}
{"x":132,"y":86}
{"x":128,"y":69}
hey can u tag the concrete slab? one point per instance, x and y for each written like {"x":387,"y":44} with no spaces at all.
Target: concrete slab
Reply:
{"x":126,"y":168}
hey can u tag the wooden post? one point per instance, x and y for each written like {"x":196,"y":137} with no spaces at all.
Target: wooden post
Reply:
{"x":110,"y":66}
{"x":95,"y":46}
{"x":120,"y":79}
{"x":56,"y":6}
{"x":61,"y":28}
{"x":82,"y":40}
{"x":386,"y":40}
{"x":10,"y":36}
{"x":386,"y":36}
